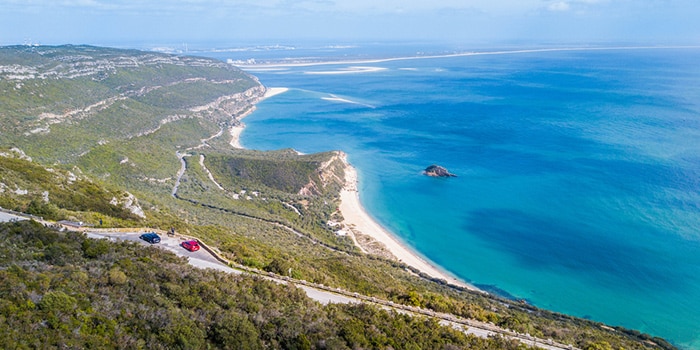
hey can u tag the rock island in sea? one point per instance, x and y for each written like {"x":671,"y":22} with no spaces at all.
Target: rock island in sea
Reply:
{"x":437,"y":171}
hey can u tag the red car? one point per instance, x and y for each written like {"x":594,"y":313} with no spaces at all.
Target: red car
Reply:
{"x":192,"y":246}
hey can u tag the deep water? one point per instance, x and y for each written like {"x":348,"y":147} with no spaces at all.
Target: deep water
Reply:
{"x":578,"y":183}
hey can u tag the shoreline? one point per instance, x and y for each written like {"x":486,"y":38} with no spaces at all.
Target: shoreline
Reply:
{"x":236,"y":131}
{"x":356,"y":218}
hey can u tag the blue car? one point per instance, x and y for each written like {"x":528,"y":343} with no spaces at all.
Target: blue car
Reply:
{"x":150,"y":237}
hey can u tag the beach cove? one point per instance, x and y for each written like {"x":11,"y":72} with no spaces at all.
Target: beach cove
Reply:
{"x":356,"y":218}
{"x":236,"y":130}
{"x":359,"y":221}
{"x":576,"y":187}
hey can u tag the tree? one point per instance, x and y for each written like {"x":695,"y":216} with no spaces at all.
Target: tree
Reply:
{"x":235,"y":331}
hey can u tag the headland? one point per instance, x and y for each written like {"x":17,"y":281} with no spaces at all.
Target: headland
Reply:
{"x":357,"y":220}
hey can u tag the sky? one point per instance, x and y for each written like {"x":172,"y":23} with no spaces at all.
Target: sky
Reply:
{"x":144,"y":22}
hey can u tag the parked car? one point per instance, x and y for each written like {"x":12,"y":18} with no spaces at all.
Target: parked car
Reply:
{"x":192,"y":246}
{"x":150,"y":237}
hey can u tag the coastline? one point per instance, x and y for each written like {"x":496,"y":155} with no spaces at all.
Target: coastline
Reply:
{"x":356,"y":218}
{"x":236,"y":131}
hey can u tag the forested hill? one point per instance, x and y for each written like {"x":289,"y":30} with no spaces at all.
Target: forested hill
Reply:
{"x":125,"y":138}
{"x":61,"y":290}
{"x":59,"y":103}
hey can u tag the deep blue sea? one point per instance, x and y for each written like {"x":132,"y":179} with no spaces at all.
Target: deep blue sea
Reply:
{"x":578,"y":183}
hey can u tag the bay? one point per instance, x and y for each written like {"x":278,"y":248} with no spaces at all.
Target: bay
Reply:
{"x":578,"y":183}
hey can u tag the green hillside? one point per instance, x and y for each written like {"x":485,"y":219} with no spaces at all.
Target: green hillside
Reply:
{"x":59,"y":103}
{"x":55,"y":194}
{"x":61,"y":290}
{"x":140,"y":139}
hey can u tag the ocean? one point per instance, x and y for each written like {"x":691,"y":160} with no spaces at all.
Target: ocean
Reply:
{"x":578,"y":183}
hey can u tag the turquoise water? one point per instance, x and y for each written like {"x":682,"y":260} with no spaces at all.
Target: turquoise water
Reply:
{"x":579,"y":172}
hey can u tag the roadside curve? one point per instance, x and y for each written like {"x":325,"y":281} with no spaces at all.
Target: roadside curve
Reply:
{"x":205,"y":258}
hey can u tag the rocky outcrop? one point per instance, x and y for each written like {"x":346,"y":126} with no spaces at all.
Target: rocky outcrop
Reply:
{"x":130,"y":203}
{"x":437,"y":171}
{"x":326,"y":174}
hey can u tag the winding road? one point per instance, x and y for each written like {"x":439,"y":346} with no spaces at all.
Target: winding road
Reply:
{"x":205,"y":259}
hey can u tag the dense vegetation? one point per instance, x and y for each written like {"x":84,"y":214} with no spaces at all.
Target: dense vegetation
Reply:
{"x":64,"y":290}
{"x":55,"y":194}
{"x":266,"y":210}
{"x":280,"y":174}
{"x":58,"y":103}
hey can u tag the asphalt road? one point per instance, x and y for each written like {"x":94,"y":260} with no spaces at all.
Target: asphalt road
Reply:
{"x":203,"y":259}
{"x":200,"y":258}
{"x":5,"y":217}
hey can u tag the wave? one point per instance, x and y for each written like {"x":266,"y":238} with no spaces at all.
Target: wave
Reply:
{"x":334,"y":98}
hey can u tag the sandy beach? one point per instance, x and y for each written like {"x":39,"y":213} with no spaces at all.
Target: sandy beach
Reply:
{"x":357,"y":219}
{"x":237,"y":130}
{"x":274,"y":91}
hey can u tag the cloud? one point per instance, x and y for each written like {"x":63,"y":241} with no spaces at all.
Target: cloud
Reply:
{"x":568,"y":5}
{"x":454,"y":20}
{"x":82,"y":3}
{"x":559,"y":6}
{"x":350,"y":7}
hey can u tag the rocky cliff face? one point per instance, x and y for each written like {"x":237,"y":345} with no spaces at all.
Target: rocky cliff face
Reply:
{"x":329,"y":172}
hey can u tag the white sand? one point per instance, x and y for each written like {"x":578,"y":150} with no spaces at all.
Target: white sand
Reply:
{"x":236,"y":136}
{"x":461,"y":54}
{"x":356,"y":217}
{"x":274,"y":91}
{"x":237,"y":130}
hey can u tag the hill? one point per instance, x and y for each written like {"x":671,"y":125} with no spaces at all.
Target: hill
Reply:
{"x":66,"y":291}
{"x":126,"y":138}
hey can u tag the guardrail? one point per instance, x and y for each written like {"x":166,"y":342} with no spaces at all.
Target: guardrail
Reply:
{"x":30,"y":216}
{"x":390,"y":304}
{"x":213,"y":252}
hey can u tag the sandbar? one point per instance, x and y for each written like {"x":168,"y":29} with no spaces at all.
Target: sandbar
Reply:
{"x":269,"y":92}
{"x":357,"y":219}
{"x":460,"y":54}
